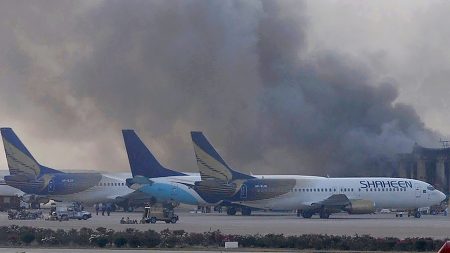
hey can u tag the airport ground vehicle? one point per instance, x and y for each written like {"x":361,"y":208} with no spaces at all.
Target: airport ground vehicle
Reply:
{"x":154,"y":214}
{"x":66,"y":212}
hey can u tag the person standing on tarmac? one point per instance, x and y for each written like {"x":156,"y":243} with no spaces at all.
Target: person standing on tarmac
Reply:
{"x":97,"y":208}
{"x":108,"y":208}
{"x":103,"y":209}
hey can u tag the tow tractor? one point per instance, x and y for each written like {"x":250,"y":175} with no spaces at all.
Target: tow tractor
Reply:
{"x":154,"y":214}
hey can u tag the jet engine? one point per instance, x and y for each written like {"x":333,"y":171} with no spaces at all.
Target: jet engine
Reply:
{"x":360,"y":206}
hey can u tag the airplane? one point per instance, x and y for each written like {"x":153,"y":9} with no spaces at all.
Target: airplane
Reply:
{"x":306,"y":194}
{"x":162,"y":185}
{"x":40,"y":183}
{"x":6,"y":190}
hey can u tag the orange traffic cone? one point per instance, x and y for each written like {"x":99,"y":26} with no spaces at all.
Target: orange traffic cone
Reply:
{"x":445,"y":248}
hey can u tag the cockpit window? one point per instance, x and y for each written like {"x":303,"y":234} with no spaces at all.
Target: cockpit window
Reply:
{"x":431,"y":188}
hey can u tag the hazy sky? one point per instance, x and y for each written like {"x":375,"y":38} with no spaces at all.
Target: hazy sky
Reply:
{"x":310,"y":87}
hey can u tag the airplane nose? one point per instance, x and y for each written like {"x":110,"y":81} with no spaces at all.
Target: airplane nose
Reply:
{"x":442,"y":196}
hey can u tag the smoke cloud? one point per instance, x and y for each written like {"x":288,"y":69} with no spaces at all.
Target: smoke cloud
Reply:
{"x":74,"y":73}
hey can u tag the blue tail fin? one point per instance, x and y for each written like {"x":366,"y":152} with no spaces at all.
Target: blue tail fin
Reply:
{"x":142,"y":161}
{"x":20,"y":160}
{"x":209,"y":162}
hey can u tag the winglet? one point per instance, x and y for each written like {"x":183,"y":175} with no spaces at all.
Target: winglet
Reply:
{"x":142,"y":162}
{"x":210,"y":163}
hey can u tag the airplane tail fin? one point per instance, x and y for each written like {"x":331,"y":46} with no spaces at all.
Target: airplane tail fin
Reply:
{"x":210,"y":163}
{"x":20,"y":160}
{"x":142,"y":162}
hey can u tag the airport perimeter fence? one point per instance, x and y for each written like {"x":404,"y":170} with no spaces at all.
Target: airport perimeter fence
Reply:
{"x":14,"y":236}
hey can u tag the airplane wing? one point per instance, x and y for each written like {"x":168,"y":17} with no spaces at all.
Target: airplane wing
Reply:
{"x":336,"y":201}
{"x":136,"y":196}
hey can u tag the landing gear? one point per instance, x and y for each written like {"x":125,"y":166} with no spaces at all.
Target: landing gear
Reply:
{"x":324,"y":214}
{"x":231,"y":210}
{"x":245,"y":211}
{"x":417,"y":214}
{"x":307,"y":214}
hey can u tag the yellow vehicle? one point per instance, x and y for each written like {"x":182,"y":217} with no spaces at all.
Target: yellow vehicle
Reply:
{"x":154,"y":214}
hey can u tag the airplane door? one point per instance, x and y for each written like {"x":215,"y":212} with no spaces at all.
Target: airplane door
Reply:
{"x":51,"y":186}
{"x":418,"y":193}
{"x":244,"y":191}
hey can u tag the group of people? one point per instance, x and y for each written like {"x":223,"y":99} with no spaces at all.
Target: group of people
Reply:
{"x":103,"y":208}
{"x":128,"y":221}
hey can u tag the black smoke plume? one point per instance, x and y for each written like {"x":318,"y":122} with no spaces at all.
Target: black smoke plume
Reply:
{"x":238,"y":70}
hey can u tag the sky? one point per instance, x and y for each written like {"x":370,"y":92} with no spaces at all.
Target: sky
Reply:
{"x":278,"y":87}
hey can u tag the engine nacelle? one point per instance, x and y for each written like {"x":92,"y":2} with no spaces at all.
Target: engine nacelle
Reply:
{"x":360,"y":206}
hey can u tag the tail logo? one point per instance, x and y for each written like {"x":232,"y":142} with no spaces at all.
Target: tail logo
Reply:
{"x":210,"y":168}
{"x":19,"y":162}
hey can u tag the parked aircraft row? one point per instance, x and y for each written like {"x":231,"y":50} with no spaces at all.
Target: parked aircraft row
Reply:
{"x":216,"y":184}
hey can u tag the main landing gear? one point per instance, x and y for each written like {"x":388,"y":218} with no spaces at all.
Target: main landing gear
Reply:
{"x":307,"y":214}
{"x":231,"y":210}
{"x":245,"y":211}
{"x":324,"y":214}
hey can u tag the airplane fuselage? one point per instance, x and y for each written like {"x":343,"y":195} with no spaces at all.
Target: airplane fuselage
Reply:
{"x":86,"y":188}
{"x":383,"y":192}
{"x":290,"y":192}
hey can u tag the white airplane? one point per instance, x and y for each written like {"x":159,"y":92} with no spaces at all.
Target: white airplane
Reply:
{"x":6,"y":190}
{"x":307,"y":194}
{"x":40,"y":183}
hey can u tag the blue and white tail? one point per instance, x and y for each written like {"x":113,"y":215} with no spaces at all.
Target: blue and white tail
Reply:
{"x":209,"y":162}
{"x":20,"y":160}
{"x":142,"y":162}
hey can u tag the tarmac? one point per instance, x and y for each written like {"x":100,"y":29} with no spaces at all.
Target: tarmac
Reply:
{"x":377,"y":225}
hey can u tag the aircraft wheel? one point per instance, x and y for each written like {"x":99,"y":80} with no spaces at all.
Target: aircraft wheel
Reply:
{"x":246,"y":211}
{"x":231,"y":211}
{"x":417,"y":214}
{"x":324,"y":214}
{"x":173,"y":220}
{"x":153,"y":220}
{"x":307,"y":214}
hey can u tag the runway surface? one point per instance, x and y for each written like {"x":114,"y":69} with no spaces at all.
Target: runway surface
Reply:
{"x":379,"y":225}
{"x":43,"y":250}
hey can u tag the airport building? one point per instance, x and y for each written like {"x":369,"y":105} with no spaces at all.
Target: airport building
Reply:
{"x":431,"y":165}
